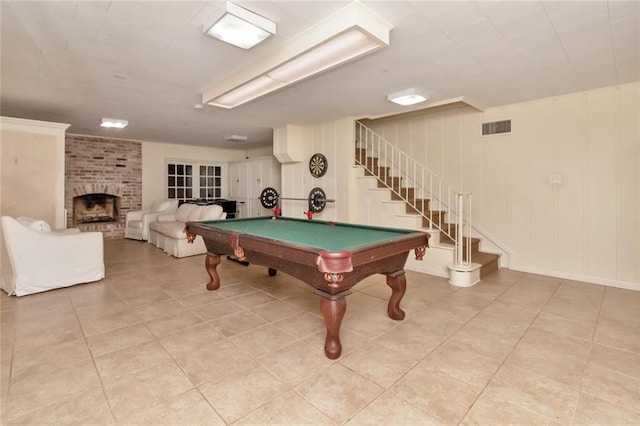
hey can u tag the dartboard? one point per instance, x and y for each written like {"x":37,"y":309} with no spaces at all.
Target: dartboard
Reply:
{"x":318,"y":165}
{"x":317,"y":200}
{"x":269,"y":198}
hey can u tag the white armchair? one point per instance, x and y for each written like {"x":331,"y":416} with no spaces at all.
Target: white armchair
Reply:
{"x":35,"y":259}
{"x":137,"y":221}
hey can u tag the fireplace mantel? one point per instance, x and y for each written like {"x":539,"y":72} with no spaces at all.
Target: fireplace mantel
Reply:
{"x":98,"y":188}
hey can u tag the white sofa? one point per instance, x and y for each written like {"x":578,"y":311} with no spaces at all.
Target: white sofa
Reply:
{"x":35,"y":258}
{"x":137,"y":221}
{"x":168,"y":233}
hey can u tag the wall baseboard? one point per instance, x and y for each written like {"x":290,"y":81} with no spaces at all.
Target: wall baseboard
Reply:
{"x":627,"y":285}
{"x":578,"y":277}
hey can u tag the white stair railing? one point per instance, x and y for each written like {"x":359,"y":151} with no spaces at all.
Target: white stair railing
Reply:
{"x":444,"y":207}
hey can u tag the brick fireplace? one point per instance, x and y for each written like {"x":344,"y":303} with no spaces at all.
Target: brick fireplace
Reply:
{"x":93,"y":203}
{"x":103,"y":181}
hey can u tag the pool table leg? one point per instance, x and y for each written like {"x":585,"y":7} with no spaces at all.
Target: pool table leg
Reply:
{"x":333,"y":311}
{"x":211,"y":262}
{"x":398,"y":284}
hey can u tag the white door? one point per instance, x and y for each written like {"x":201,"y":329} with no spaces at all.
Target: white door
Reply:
{"x":238,"y":189}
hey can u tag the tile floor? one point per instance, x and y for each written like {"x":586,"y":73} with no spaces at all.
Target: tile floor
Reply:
{"x":149,"y":345}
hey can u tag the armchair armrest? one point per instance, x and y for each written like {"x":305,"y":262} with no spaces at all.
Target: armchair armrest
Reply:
{"x":66,"y":231}
{"x":54,"y":250}
{"x":135,"y":215}
{"x":148,"y":218}
{"x":166,"y":217}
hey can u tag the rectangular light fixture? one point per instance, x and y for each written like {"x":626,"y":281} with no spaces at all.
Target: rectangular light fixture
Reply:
{"x":408,"y":97}
{"x":114,"y":123}
{"x":235,"y":138}
{"x":347,"y":35}
{"x":240,"y":27}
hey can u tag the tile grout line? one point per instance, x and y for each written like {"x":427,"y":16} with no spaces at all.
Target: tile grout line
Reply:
{"x":432,"y":351}
{"x":593,"y":337}
{"x":507,"y":357}
{"x":95,"y":366}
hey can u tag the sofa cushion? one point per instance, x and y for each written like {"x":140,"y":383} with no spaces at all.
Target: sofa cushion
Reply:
{"x":169,"y":229}
{"x":194,"y":215}
{"x":212,"y":212}
{"x":183,"y":212}
{"x":160,"y":206}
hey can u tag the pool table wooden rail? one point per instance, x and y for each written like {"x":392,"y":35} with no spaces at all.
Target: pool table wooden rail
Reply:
{"x":301,"y":262}
{"x":331,"y":278}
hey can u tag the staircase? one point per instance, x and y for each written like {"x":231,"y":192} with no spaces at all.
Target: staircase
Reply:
{"x":490,"y":262}
{"x":392,"y":173}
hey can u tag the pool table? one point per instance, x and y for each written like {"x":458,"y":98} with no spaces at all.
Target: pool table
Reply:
{"x":330,"y":257}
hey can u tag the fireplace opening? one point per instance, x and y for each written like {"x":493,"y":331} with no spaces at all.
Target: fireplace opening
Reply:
{"x":92,"y":208}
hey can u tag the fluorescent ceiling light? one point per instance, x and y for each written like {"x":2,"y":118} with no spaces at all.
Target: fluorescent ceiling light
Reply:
{"x":235,"y":138}
{"x":408,"y":97}
{"x":347,"y":35}
{"x":114,"y":122}
{"x":335,"y":52}
{"x":240,"y":27}
{"x":344,"y":47}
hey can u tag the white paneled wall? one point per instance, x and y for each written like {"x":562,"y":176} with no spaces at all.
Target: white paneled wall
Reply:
{"x":335,"y":140}
{"x":586,"y":227}
{"x":247,"y":179}
{"x":627,"y":184}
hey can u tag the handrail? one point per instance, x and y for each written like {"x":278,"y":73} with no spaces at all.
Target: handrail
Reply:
{"x":443,"y":207}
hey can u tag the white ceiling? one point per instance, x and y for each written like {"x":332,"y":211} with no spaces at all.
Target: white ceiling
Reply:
{"x":147,"y":62}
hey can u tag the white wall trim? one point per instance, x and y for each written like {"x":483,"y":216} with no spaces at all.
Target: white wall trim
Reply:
{"x":57,"y":130}
{"x":33,"y":126}
{"x":196,"y":182}
{"x":577,"y":277}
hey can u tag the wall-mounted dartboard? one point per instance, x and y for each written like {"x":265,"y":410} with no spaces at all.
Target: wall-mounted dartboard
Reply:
{"x":318,"y":165}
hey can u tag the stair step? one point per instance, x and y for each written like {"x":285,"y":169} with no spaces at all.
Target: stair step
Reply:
{"x":437,"y":216}
{"x":403,"y":194}
{"x":475,"y":243}
{"x":490,"y":262}
{"x":378,"y":172}
{"x":371,"y":163}
{"x":390,"y":181}
{"x":421,"y":205}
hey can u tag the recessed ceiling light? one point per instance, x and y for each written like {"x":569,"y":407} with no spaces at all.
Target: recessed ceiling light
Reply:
{"x":408,"y":97}
{"x":114,"y":123}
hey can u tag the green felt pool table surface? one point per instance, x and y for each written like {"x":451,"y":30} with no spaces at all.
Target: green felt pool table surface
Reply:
{"x":322,"y":235}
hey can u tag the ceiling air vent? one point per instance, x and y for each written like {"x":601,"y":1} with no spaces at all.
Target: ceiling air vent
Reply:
{"x":496,"y":127}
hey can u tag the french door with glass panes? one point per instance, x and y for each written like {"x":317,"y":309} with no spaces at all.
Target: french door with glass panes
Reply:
{"x":188,"y":181}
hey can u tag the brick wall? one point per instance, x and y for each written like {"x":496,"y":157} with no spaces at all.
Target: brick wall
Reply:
{"x":92,"y":162}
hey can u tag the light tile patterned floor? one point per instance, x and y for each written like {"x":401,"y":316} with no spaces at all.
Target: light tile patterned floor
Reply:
{"x":149,"y":345}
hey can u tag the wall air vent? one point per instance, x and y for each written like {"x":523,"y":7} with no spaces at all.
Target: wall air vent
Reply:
{"x":496,"y":127}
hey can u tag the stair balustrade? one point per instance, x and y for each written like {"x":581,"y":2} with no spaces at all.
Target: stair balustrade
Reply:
{"x":441,"y":205}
